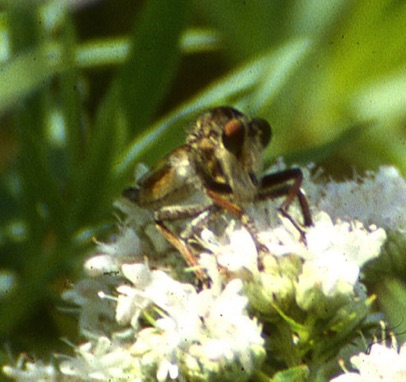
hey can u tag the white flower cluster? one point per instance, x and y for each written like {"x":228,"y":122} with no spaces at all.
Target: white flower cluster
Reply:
{"x":328,"y":265}
{"x":29,"y":370}
{"x":378,"y":198}
{"x":381,"y":363}
{"x":142,"y":324}
{"x":206,"y":330}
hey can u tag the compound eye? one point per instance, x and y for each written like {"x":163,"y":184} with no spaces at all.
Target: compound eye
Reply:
{"x":262,"y":128}
{"x":233,"y":136}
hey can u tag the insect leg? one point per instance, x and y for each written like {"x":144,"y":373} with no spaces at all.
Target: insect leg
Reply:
{"x":176,"y":213}
{"x":272,"y":187}
{"x":183,"y":248}
{"x":246,"y":221}
{"x":198,"y":222}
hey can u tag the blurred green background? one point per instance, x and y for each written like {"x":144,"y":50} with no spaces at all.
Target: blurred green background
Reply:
{"x":87,"y":90}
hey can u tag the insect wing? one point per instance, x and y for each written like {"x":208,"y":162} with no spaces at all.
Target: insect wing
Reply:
{"x":171,"y":181}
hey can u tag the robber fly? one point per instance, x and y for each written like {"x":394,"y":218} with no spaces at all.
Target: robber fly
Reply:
{"x":221,"y":160}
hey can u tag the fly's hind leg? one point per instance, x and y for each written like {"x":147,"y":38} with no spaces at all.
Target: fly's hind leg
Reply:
{"x":180,"y":241}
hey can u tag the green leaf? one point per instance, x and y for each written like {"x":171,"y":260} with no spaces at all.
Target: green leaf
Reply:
{"x":250,"y":87}
{"x":392,"y":293}
{"x":153,"y":60}
{"x":27,"y":72}
{"x":133,"y":98}
{"x":293,"y":374}
{"x":248,"y":27}
{"x":323,"y":151}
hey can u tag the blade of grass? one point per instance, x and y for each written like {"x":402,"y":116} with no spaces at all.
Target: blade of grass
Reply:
{"x":114,"y":51}
{"x":324,"y":151}
{"x":39,"y":199}
{"x":132,"y":99}
{"x":237,"y":88}
{"x":154,"y":56}
{"x":27,"y":72}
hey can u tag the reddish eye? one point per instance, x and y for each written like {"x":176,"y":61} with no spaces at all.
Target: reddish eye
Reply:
{"x":233,"y":136}
{"x":262,"y":127}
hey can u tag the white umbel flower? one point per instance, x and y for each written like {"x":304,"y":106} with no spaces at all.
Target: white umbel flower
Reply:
{"x":380,"y":364}
{"x":203,"y":334}
{"x":29,"y":371}
{"x":101,"y":360}
{"x":334,"y":257}
{"x":238,"y":251}
{"x":127,"y":248}
{"x":303,"y":288}
{"x":378,"y":198}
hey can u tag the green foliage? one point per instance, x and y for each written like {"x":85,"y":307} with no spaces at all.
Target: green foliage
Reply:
{"x":329,"y":76}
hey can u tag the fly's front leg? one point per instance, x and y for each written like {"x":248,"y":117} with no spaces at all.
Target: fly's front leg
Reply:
{"x":241,"y":215}
{"x":174,"y":213}
{"x":272,"y":187}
